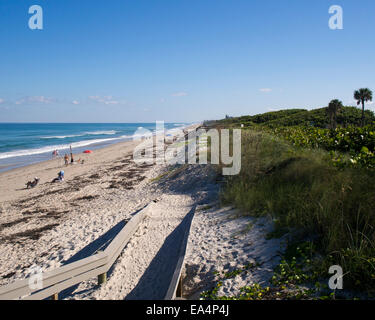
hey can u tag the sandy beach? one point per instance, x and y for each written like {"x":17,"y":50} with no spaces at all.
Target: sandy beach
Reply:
{"x":57,"y":223}
{"x":49,"y":223}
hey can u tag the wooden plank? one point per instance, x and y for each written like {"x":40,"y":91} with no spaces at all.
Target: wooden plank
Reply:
{"x":179,"y":290}
{"x":14,"y":290}
{"x":171,"y":292}
{"x":21,"y":288}
{"x":48,"y":292}
{"x":128,"y":228}
{"x":114,"y":249}
{"x":119,"y":243}
{"x":76,"y":272}
{"x":122,"y":237}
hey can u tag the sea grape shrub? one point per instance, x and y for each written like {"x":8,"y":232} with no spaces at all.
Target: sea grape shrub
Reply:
{"x":358,"y":142}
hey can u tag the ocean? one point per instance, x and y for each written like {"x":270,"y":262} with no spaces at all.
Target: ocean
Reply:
{"x":27,"y":143}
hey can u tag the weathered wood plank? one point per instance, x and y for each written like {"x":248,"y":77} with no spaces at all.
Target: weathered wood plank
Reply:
{"x":21,"y":288}
{"x":175,"y":282}
{"x":45,"y":293}
{"x":119,"y":243}
{"x":76,"y":272}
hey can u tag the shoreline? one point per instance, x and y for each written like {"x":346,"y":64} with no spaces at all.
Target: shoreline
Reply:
{"x":34,"y":157}
{"x":47,"y":170}
{"x":20,"y":161}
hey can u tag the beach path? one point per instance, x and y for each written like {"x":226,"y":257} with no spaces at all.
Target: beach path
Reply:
{"x":145,"y":267}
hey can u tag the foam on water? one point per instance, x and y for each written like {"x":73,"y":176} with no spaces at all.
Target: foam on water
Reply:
{"x":23,"y":144}
{"x":95,"y":133}
{"x":47,"y":149}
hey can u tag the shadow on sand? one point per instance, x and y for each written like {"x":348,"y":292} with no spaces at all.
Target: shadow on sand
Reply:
{"x":154,"y":283}
{"x":99,"y":244}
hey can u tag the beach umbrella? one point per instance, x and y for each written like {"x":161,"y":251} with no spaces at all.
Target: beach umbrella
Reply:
{"x":87,"y":151}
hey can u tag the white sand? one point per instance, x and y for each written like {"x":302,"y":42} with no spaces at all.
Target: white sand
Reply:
{"x":220,"y":242}
{"x":75,"y":222}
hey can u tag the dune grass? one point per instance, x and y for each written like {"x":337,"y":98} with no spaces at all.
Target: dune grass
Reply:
{"x":301,"y":190}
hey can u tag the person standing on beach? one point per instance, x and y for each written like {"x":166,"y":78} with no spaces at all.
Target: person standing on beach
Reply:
{"x":66,"y":158}
{"x":71,"y":156}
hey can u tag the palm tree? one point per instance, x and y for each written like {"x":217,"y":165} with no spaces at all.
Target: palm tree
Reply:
{"x":363,"y":95}
{"x":334,"y":108}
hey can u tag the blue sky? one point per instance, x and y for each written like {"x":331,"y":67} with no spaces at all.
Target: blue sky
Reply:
{"x":179,"y":60}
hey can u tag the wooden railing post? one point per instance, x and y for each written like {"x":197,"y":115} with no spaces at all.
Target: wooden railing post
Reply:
{"x":102,"y":278}
{"x":55,"y":297}
{"x":175,"y":287}
{"x":179,"y":288}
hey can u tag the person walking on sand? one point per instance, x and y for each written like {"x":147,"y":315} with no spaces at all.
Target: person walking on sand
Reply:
{"x":66,"y":159}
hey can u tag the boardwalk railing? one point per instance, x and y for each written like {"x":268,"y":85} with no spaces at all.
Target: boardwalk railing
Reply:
{"x":175,"y":287}
{"x":73,"y":273}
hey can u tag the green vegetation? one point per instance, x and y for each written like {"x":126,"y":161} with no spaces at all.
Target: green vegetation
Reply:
{"x":301,"y":117}
{"x":213,"y":293}
{"x":302,"y":190}
{"x":318,"y":185}
{"x":351,"y":146}
{"x":205,"y":207}
{"x":300,"y":265}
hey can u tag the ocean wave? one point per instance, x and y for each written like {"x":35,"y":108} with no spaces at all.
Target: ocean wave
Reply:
{"x":102,"y":132}
{"x":61,"y":148}
{"x":65,"y":147}
{"x":93,"y":133}
{"x":63,"y":137}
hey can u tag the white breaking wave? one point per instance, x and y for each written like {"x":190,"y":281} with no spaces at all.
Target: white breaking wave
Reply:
{"x":101,"y":132}
{"x":63,"y":137}
{"x":93,"y":133}
{"x":28,"y":152}
{"x":62,"y":147}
